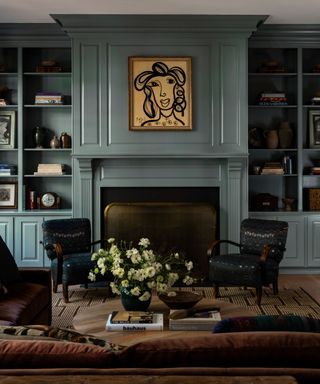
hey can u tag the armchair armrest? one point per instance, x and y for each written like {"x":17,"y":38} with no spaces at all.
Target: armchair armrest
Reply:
{"x":211,"y":250}
{"x":267,"y":250}
{"x":36,"y":275}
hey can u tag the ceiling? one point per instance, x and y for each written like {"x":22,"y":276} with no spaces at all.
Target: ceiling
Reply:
{"x":280,"y":11}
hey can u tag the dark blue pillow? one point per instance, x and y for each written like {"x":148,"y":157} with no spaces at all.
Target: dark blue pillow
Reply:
{"x":268,"y":323}
{"x":9,"y":272}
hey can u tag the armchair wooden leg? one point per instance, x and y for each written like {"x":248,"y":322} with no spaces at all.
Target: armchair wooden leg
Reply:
{"x":65,"y":293}
{"x":259,"y":295}
{"x":216,"y":290}
{"x":275,"y":287}
{"x":54,"y":286}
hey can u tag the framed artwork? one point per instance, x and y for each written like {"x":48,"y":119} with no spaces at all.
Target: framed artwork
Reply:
{"x":7,"y":129}
{"x":8,"y":195}
{"x":160,"y":94}
{"x":314,"y":129}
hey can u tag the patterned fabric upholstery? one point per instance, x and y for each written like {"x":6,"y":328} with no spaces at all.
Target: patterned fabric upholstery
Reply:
{"x":248,"y":267}
{"x":71,"y":261}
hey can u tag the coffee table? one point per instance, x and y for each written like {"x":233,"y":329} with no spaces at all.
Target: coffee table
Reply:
{"x":93,"y":321}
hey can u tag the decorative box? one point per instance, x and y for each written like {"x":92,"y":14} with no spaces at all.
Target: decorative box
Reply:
{"x":314,"y":199}
{"x":265,"y":202}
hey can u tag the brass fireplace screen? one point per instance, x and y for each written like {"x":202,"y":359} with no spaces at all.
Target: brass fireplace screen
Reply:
{"x":186,"y":227}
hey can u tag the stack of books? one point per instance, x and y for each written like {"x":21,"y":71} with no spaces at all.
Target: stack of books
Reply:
{"x":272,"y":168}
{"x":315,"y":100}
{"x":50,"y":169}
{"x":7,"y":169}
{"x":315,"y":170}
{"x":273,"y":98}
{"x":134,"y":321}
{"x":193,"y":319}
{"x":49,"y":98}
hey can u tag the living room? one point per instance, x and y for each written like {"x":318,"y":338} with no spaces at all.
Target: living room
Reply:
{"x":207,"y":159}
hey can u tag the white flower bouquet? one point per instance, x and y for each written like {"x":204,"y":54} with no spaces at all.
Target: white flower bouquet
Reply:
{"x":139,"y":270}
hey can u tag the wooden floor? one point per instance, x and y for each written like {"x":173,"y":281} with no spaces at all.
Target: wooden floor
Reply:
{"x":310,"y":283}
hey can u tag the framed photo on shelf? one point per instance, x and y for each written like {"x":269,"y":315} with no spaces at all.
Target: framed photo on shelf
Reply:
{"x":8,"y":195}
{"x":160,"y":94}
{"x":7,"y":129}
{"x":314,"y":129}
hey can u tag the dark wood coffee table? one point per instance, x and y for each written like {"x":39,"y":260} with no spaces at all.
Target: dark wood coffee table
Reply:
{"x":93,"y":321}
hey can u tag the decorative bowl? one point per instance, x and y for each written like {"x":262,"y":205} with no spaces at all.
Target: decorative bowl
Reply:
{"x":182,"y":299}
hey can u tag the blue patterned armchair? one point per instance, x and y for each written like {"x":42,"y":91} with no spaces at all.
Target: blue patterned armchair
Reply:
{"x":261,"y":248}
{"x":68,"y":245}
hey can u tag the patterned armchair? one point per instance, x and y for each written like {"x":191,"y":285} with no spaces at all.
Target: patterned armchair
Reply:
{"x":261,"y":248}
{"x":68,"y":245}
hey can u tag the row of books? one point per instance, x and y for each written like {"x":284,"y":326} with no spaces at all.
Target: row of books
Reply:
{"x":179,"y":320}
{"x":50,"y":169}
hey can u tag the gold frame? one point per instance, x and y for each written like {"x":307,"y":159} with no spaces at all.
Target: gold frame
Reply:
{"x":9,"y":201}
{"x":149,"y":108}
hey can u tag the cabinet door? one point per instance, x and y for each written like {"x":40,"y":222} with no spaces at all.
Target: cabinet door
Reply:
{"x":28,"y":250}
{"x":6,"y":231}
{"x":294,"y":254}
{"x":313,"y":241}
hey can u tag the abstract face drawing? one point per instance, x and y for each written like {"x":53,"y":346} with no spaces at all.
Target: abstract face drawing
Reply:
{"x":164,"y":95}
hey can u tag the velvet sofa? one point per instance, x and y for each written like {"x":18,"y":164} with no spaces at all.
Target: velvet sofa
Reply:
{"x":239,"y":354}
{"x":25,"y":293}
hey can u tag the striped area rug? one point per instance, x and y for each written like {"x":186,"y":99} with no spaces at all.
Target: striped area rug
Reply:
{"x":289,"y":301}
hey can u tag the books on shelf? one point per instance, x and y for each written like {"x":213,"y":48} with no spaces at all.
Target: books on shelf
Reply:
{"x":50,"y":169}
{"x":272,"y":168}
{"x":7,"y":169}
{"x":48,"y":98}
{"x":273,"y":98}
{"x":134,"y":321}
{"x":194,"y":320}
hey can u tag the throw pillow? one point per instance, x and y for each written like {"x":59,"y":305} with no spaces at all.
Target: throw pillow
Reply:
{"x":56,"y":333}
{"x":268,"y":323}
{"x":9,"y":272}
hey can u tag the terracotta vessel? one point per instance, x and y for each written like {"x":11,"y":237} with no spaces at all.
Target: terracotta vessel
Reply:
{"x":285,"y":135}
{"x":272,"y":139}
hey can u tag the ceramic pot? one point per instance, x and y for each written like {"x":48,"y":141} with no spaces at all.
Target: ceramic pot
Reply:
{"x":132,"y":303}
{"x":272,"y":139}
{"x":285,"y":135}
{"x":39,"y":137}
{"x":65,"y":140}
{"x":54,"y":142}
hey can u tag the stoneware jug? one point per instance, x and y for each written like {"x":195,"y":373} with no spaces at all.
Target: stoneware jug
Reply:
{"x":272,"y":139}
{"x":65,"y":140}
{"x":54,"y":142}
{"x":285,"y":135}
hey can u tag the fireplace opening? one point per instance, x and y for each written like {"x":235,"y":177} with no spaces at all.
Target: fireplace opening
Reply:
{"x":185,"y":218}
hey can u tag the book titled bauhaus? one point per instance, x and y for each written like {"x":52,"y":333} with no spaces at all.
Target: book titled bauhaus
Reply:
{"x":134,"y":321}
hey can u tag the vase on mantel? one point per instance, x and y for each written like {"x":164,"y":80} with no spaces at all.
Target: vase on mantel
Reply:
{"x":132,"y":303}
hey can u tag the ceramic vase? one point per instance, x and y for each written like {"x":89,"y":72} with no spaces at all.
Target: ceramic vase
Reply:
{"x":272,"y":139}
{"x":54,"y":142}
{"x":39,"y":137}
{"x":65,"y":140}
{"x":285,"y":135}
{"x":132,"y":303}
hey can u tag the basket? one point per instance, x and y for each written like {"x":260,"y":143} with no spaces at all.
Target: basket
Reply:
{"x":314,"y":199}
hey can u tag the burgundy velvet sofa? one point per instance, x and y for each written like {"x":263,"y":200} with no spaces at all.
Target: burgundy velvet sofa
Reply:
{"x":28,"y":298}
{"x":254,"y":354}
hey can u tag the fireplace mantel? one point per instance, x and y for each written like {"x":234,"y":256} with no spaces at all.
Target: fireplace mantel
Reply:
{"x":229,"y":175}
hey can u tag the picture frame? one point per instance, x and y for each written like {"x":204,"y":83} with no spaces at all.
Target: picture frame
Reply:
{"x":7,"y":129}
{"x":8,"y":195}
{"x":314,"y":128}
{"x":160,"y":93}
